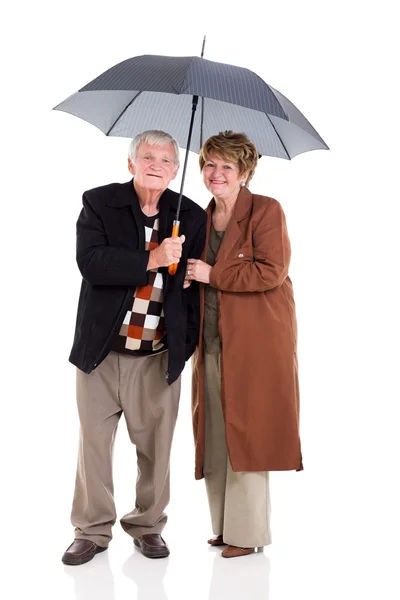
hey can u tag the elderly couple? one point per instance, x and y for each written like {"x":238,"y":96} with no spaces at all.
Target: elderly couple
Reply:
{"x":230,"y":304}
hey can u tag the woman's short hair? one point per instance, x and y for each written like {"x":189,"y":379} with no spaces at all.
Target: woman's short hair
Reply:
{"x":233,"y":147}
{"x":154,"y":137}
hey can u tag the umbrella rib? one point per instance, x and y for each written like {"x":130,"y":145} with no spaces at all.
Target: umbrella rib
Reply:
{"x":123,"y":112}
{"x":278,"y":136}
{"x":184,"y":84}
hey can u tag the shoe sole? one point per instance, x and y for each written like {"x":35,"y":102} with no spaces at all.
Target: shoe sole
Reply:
{"x":162,"y":554}
{"x":256,"y":550}
{"x":237,"y":555}
{"x":70,"y":560}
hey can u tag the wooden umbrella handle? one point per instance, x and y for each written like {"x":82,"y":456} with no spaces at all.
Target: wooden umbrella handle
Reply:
{"x":172,"y":269}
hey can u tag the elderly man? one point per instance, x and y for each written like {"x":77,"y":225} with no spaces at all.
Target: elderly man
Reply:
{"x":136,"y":326}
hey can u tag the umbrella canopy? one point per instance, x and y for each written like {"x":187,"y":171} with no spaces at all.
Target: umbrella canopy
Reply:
{"x":156,"y":92}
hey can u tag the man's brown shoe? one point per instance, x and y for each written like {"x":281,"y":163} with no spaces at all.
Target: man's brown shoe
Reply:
{"x":152,"y":545}
{"x":81,"y":551}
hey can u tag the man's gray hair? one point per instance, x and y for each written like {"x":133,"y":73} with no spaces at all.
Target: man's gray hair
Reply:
{"x":154,"y":137}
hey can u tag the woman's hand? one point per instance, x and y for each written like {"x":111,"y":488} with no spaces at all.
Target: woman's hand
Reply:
{"x":197,"y":270}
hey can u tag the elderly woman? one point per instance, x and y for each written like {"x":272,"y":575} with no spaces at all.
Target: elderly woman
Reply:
{"x":245,"y":383}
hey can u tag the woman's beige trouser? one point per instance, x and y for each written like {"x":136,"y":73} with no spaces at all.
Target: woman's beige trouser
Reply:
{"x":135,"y":386}
{"x":239,"y":502}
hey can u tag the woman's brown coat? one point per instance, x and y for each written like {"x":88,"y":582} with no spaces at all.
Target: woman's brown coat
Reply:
{"x":257,"y":323}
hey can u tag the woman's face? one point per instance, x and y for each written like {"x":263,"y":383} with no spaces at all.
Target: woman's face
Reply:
{"x":221,"y":177}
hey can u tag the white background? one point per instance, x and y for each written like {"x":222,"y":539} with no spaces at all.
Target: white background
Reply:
{"x":336,"y":525}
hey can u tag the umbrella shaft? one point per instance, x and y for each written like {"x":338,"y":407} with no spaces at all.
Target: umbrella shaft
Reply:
{"x":194,"y":106}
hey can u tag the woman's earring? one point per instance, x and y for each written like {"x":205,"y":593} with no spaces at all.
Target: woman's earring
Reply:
{"x":242,"y":183}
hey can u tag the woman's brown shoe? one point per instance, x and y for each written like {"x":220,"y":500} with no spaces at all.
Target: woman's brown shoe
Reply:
{"x":216,"y":541}
{"x":233,"y":551}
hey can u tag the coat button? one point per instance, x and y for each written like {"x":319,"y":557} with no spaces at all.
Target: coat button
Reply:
{"x":240,"y":255}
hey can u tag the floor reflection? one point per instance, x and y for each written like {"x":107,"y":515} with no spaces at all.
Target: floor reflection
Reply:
{"x":148,"y":575}
{"x":244,"y":577}
{"x":93,"y":579}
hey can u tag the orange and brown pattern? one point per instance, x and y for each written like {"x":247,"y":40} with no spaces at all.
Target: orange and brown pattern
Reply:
{"x":143,"y":328}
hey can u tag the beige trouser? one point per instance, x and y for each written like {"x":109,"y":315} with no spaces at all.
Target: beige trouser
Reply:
{"x":239,"y":502}
{"x":135,"y":386}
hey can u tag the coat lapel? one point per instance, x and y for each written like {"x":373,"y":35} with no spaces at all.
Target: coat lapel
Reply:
{"x":168,"y":205}
{"x":233,"y":232}
{"x":126,"y":196}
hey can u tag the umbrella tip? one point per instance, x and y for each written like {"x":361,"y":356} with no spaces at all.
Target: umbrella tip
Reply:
{"x":204,"y":43}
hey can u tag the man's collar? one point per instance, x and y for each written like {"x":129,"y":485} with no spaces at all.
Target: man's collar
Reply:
{"x":126,"y":196}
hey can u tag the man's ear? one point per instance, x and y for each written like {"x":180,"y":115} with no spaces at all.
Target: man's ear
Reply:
{"x":175,"y":172}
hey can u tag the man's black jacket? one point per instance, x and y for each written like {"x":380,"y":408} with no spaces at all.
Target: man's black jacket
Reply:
{"x":112,"y":260}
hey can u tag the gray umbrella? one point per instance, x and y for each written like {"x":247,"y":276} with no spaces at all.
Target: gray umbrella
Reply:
{"x":156,"y":92}
{"x":159,"y":92}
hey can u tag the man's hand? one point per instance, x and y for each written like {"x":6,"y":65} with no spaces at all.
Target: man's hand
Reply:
{"x":167,"y":253}
{"x":197,"y":270}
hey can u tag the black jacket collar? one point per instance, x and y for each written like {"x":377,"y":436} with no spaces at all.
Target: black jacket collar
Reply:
{"x":126,"y":195}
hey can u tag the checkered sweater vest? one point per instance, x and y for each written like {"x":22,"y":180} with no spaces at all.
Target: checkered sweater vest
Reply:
{"x":143,"y":328}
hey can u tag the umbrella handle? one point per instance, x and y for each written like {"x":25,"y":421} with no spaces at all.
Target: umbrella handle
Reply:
{"x":172,"y":269}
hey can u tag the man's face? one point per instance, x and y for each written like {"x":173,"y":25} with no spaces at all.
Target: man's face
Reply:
{"x":154,"y":166}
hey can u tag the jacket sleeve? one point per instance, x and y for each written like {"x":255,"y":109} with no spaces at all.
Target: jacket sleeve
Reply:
{"x":101,"y":264}
{"x":268,"y":267}
{"x":192,"y":295}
